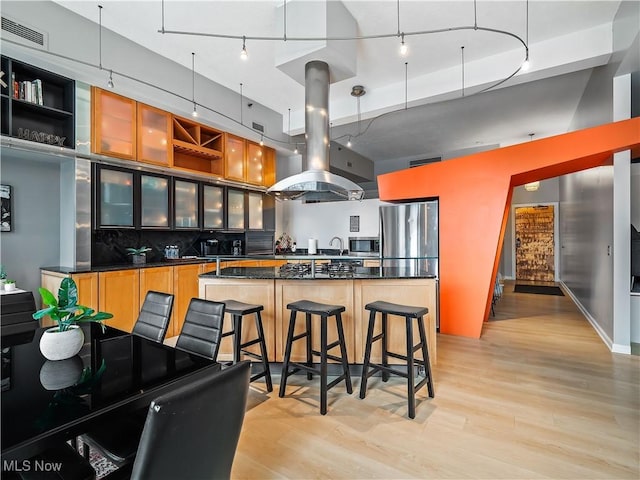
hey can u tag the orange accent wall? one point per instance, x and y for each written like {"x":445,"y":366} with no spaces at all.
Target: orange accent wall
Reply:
{"x":474,"y":195}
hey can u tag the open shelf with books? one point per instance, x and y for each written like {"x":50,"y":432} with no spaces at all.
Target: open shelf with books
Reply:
{"x":37,"y":105}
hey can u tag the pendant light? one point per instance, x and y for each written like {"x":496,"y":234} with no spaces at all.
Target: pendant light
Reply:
{"x":193,"y":84}
{"x":531,"y":186}
{"x":404,"y":49}
{"x":110,"y":81}
{"x":243,"y":54}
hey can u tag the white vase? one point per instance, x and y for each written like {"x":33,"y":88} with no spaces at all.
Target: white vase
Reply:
{"x":56,"y":345}
{"x":9,"y":287}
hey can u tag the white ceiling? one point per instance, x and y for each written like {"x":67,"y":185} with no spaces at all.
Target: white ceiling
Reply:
{"x":564,"y":37}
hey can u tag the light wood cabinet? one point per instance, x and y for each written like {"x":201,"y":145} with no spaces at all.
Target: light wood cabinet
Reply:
{"x":417,"y":292}
{"x":113,"y":119}
{"x":153,"y":135}
{"x":249,"y":162}
{"x":254,"y":291}
{"x":209,"y":267}
{"x":254,"y":164}
{"x":185,"y":287}
{"x":87,"y":284}
{"x":158,"y":279}
{"x":353,"y":294}
{"x":119,"y":294}
{"x":333,"y":292}
{"x":234,"y":160}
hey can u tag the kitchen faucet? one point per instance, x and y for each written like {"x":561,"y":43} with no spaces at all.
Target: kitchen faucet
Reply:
{"x":339,"y":240}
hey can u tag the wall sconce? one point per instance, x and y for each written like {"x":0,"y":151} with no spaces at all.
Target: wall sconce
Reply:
{"x":532,"y":187}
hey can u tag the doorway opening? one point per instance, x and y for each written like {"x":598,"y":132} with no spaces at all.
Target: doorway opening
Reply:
{"x":535,"y":256}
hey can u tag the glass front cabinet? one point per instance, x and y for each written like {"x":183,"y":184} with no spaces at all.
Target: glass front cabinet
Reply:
{"x":135,"y":199}
{"x":154,"y":201}
{"x":212,"y":207}
{"x":115,"y":192}
{"x":187,"y":212}
{"x":235,"y":209}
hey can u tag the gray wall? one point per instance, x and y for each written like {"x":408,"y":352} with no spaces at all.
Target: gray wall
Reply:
{"x":635,"y":195}
{"x":586,"y":213}
{"x":586,"y":208}
{"x":35,"y":239}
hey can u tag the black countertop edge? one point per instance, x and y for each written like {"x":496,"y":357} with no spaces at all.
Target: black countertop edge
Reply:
{"x":126,"y":266}
{"x":271,"y":273}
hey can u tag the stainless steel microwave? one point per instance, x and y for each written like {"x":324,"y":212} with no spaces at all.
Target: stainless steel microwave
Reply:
{"x":365,"y":246}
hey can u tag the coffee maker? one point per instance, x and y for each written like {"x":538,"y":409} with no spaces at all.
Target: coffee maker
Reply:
{"x":209,"y":248}
{"x":237,"y":248}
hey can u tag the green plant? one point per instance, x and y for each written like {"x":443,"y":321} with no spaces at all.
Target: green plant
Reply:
{"x":65,"y":310}
{"x":8,"y":280}
{"x":138,"y":251}
{"x":3,"y":274}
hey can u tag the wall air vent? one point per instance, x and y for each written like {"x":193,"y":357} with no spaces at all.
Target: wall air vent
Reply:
{"x":258,"y":127}
{"x":424,"y":161}
{"x":24,"y":34}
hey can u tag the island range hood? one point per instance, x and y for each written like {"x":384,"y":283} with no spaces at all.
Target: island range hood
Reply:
{"x":316,"y":183}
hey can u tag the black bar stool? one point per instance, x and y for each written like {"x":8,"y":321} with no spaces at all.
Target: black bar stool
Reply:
{"x":368,"y":368}
{"x":237,"y":311}
{"x":324,"y":311}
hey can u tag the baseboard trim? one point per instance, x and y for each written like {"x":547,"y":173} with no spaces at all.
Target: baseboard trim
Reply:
{"x":601,"y":333}
{"x":617,"y":348}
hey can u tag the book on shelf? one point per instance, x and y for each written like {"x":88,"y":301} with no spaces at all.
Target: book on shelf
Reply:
{"x":29,"y":91}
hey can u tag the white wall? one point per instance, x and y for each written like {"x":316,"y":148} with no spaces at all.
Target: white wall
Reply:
{"x":323,"y":221}
{"x":76,"y":37}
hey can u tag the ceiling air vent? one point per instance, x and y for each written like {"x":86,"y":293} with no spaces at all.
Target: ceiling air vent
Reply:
{"x":424,"y":161}
{"x":258,"y":127}
{"x":23,"y":33}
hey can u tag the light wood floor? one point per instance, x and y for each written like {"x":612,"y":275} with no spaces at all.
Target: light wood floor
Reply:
{"x":538,"y":396}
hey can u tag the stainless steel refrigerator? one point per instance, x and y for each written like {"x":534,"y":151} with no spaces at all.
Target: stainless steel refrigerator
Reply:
{"x":409,"y":237}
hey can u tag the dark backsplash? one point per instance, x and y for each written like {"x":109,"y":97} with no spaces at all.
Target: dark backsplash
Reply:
{"x":110,"y":246}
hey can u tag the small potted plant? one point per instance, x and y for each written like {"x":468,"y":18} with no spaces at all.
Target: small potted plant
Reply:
{"x":9,"y":285}
{"x":3,"y":276}
{"x":66,"y":339}
{"x":138,"y":255}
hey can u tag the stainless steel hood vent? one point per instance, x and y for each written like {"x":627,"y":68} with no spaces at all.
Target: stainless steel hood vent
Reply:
{"x":316,"y":183}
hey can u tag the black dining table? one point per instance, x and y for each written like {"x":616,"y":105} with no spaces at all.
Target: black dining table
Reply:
{"x":44,"y":402}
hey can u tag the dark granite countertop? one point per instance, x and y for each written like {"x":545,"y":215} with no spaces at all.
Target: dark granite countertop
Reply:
{"x":127,"y":266}
{"x":360,"y":273}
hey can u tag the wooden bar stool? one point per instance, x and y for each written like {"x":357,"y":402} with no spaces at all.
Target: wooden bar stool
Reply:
{"x":368,"y":368}
{"x":237,"y":311}
{"x":324,"y":311}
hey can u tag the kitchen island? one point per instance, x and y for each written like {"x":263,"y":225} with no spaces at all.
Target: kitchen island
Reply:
{"x":325,"y":280}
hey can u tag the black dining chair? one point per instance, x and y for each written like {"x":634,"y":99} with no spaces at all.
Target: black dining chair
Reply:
{"x":193,"y":432}
{"x":154,"y":316}
{"x":202,"y":328}
{"x":200,"y":335}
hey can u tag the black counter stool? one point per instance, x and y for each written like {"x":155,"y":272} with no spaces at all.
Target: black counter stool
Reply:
{"x":324,"y":311}
{"x":237,"y":311}
{"x":368,"y":368}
